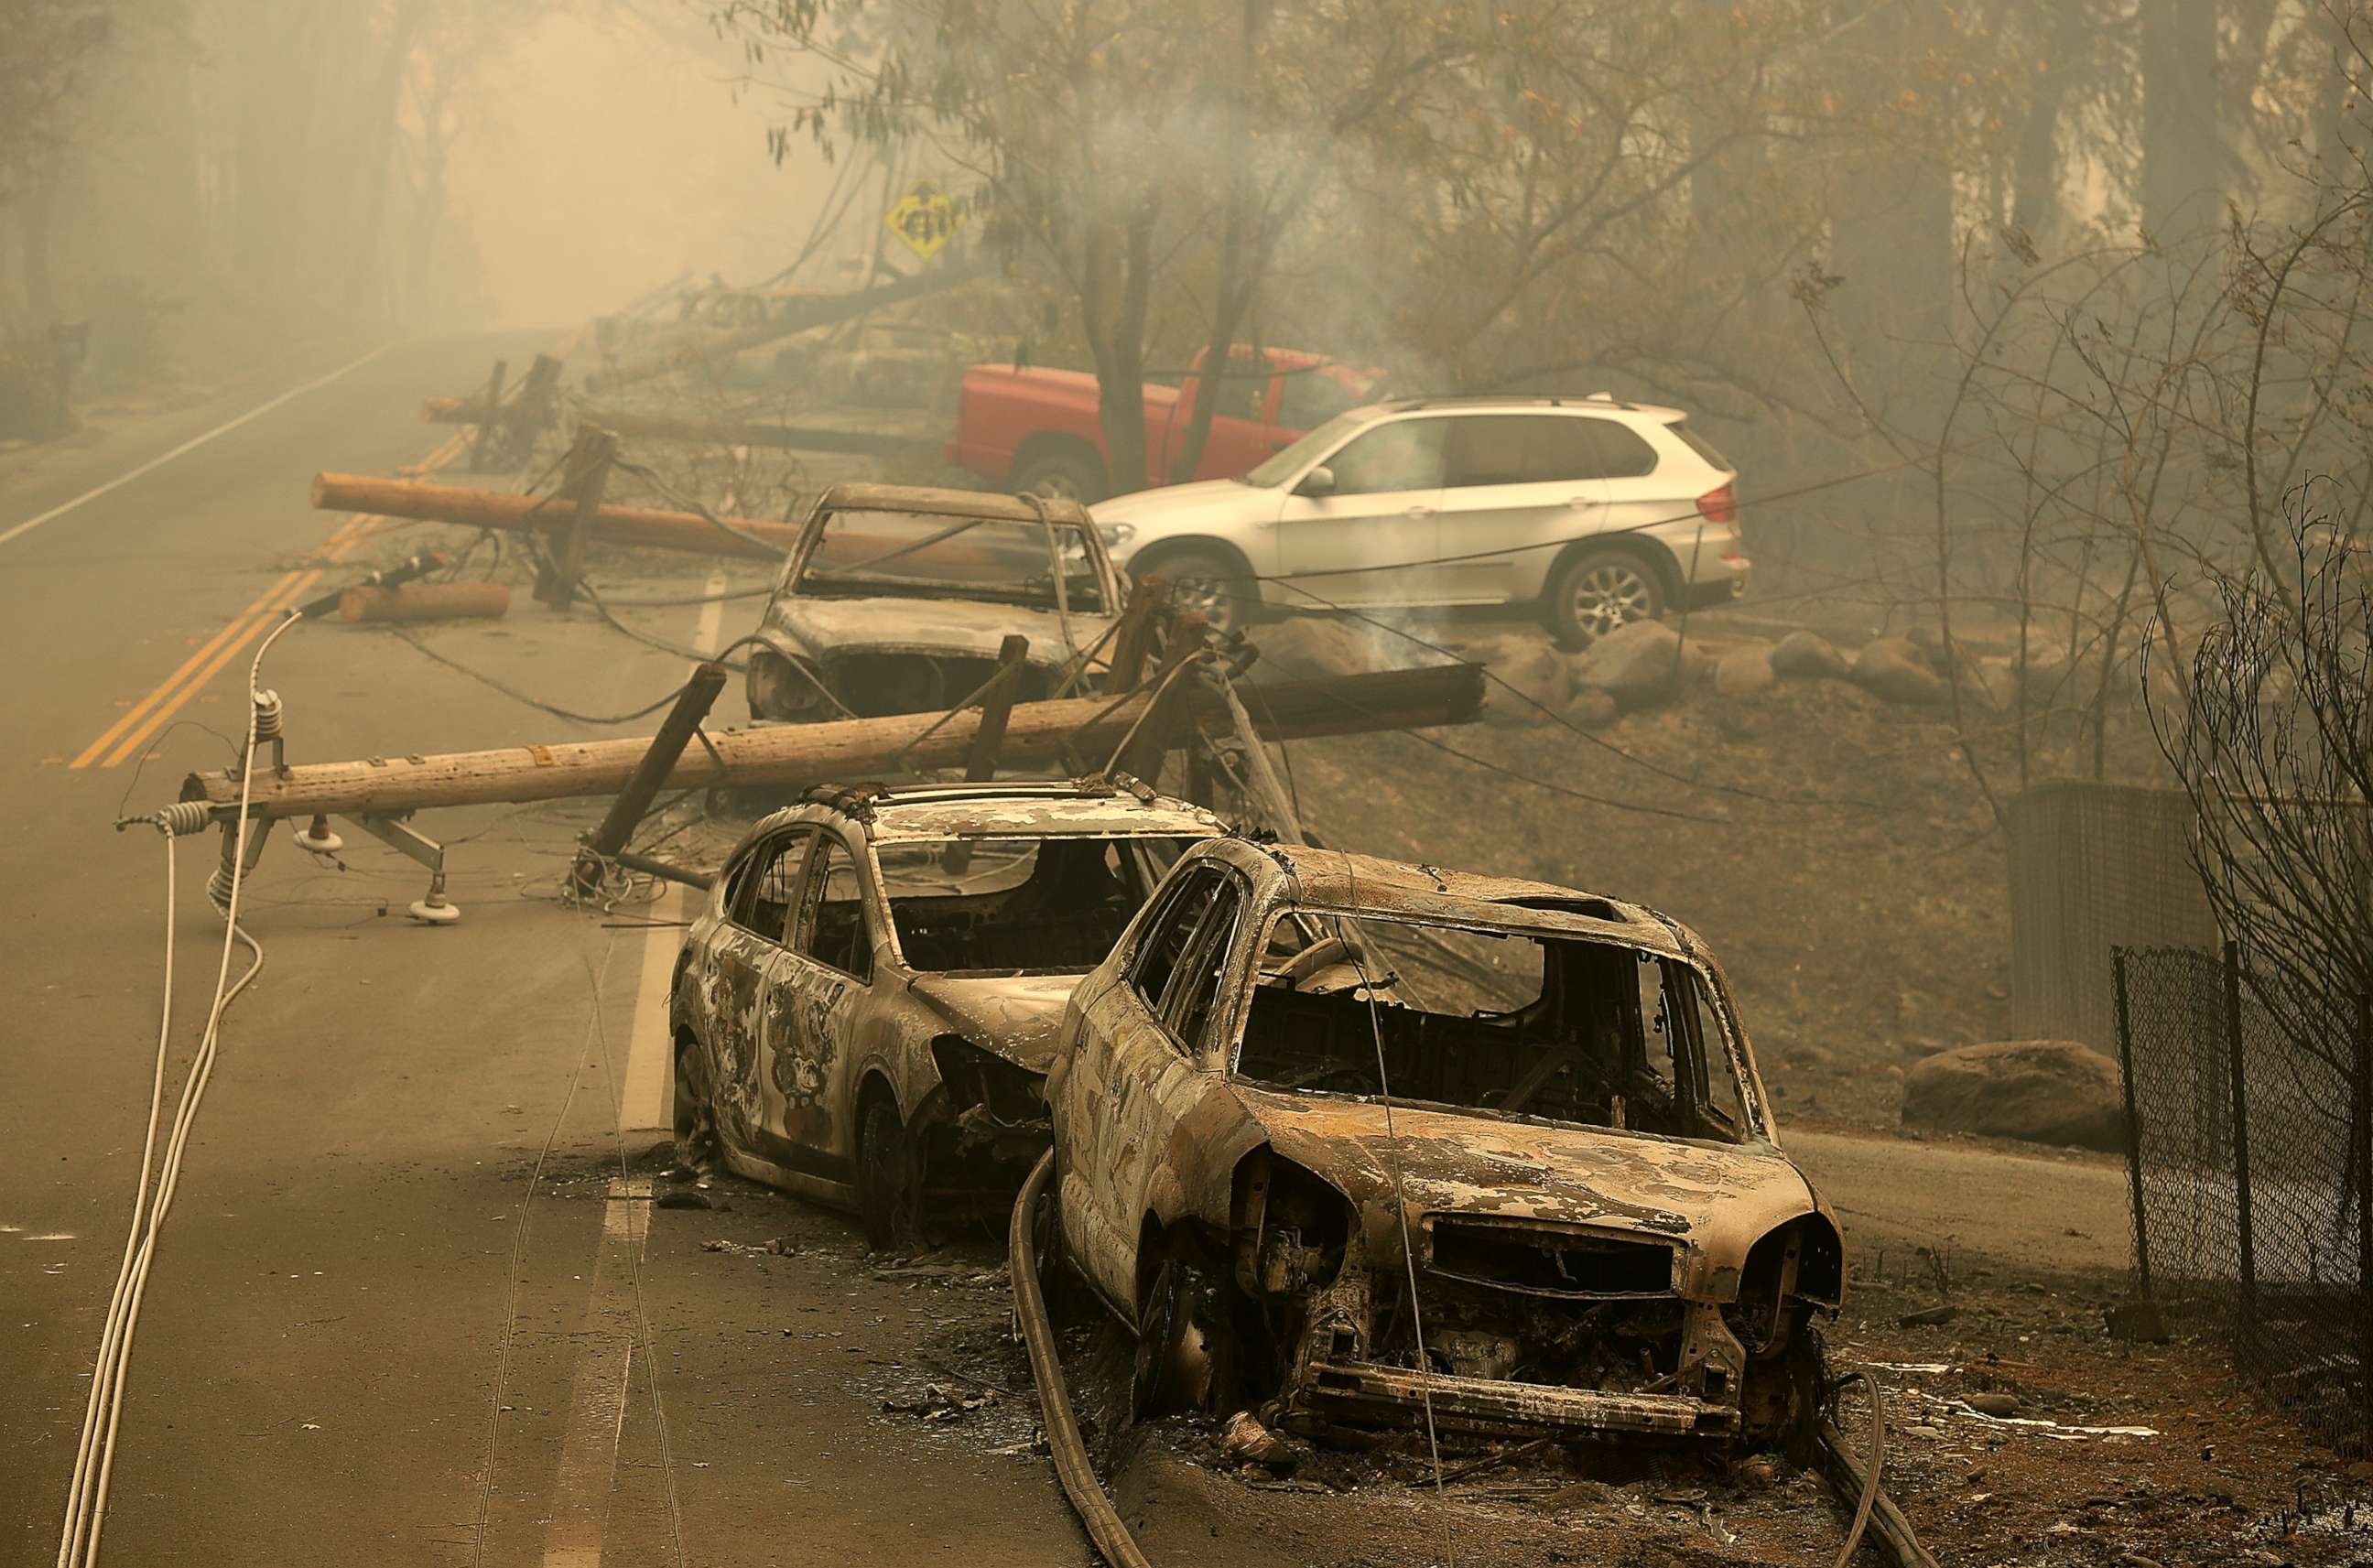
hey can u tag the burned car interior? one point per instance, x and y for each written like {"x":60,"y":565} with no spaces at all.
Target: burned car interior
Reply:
{"x":1592,"y":1032}
{"x":1011,"y":906}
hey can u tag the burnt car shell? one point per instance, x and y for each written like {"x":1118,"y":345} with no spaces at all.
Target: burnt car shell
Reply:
{"x":914,"y":651}
{"x":1521,"y":1230}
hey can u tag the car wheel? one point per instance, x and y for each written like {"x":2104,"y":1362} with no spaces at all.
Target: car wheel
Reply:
{"x":1046,"y":1241}
{"x":1185,"y":1344}
{"x":696,"y":1146}
{"x":1208,"y":585}
{"x":1061,"y":476}
{"x":1598,"y":590}
{"x":889,"y":1179}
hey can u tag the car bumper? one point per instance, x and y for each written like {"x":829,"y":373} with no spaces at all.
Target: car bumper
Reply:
{"x":1366,"y":1394}
{"x":1725,"y":583}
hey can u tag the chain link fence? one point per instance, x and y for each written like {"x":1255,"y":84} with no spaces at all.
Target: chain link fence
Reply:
{"x":2251,"y":1164}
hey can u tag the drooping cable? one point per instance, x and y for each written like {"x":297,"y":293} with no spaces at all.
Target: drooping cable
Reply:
{"x":86,"y":1514}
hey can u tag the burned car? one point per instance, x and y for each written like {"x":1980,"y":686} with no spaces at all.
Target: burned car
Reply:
{"x":1387,"y":1146}
{"x":896,"y":598}
{"x":863,"y":1010}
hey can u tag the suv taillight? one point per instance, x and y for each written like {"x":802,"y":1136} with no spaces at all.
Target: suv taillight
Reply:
{"x":1717,"y":506}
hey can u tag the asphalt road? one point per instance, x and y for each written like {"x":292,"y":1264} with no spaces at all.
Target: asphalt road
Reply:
{"x":414,"y":1304}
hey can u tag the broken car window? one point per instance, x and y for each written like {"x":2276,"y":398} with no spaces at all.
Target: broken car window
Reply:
{"x":834,"y":930}
{"x":1049,"y":905}
{"x":1565,"y":1029}
{"x":1202,"y":969}
{"x":921,"y":554}
{"x":1165,"y":939}
{"x":766,"y":882}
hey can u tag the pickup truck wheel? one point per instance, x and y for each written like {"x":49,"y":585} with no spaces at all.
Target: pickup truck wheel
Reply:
{"x":889,"y":1179}
{"x":1209,"y":586}
{"x":1061,"y":476}
{"x":1598,"y":590}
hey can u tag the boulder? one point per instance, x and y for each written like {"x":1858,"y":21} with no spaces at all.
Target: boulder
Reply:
{"x":1534,"y":668}
{"x":1990,"y":683}
{"x":1807,"y":656}
{"x":1894,"y":667}
{"x":1590,"y":709}
{"x":1320,"y":645}
{"x":1637,"y":664}
{"x":1743,"y":671}
{"x":2041,"y":1091}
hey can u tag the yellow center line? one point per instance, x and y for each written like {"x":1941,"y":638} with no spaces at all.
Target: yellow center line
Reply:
{"x":137,"y":723}
{"x":133,"y":715}
{"x":197,"y":683}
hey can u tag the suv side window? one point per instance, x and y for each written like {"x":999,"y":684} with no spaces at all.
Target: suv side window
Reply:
{"x":1543,"y":449}
{"x":1164,"y":941}
{"x":833,"y":929}
{"x":1239,"y":392}
{"x":767,"y":885}
{"x":1403,"y":455}
{"x":1621,"y":455}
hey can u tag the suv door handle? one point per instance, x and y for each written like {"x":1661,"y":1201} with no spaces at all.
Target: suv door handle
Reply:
{"x":1581,"y":501}
{"x":1418,"y":511}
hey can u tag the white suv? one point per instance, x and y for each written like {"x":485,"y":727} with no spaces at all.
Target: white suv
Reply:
{"x":1601,"y":511}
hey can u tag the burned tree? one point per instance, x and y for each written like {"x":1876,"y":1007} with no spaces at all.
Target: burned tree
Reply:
{"x":2274,"y":744}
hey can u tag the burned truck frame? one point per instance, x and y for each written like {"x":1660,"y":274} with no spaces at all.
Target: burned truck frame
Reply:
{"x":1383,"y":1144}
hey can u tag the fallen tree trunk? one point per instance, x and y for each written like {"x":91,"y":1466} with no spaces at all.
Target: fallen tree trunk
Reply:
{"x":552,"y":515}
{"x":1038,"y":735}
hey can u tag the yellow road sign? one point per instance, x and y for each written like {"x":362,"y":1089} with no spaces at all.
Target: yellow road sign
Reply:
{"x":925,"y":218}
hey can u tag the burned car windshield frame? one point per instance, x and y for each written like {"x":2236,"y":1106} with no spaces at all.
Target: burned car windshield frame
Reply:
{"x":1742,"y":1105}
{"x":1085,"y":589}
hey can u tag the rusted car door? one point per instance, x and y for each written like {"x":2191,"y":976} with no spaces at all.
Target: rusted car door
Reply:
{"x":735,"y":984}
{"x":817,"y":982}
{"x":1138,"y":1072}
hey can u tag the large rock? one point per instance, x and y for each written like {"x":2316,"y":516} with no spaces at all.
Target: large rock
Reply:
{"x":1637,"y":664}
{"x":1807,"y":656}
{"x":1322,"y":645}
{"x":1894,"y":667}
{"x":1534,"y":668}
{"x":2042,"y":1091}
{"x":1743,"y":671}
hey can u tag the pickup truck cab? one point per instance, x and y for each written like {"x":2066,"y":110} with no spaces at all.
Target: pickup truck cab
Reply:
{"x":1036,"y":430}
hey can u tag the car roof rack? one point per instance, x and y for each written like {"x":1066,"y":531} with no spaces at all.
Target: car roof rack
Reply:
{"x":1518,"y":400}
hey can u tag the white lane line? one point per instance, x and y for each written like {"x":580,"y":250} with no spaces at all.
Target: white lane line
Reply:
{"x":192,"y":444}
{"x":643,"y":1095}
{"x":597,"y":1394}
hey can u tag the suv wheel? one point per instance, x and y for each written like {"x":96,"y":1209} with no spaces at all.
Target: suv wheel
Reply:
{"x":1598,"y":590}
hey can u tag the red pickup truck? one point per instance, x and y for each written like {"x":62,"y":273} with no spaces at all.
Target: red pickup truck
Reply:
{"x":1039,"y":430}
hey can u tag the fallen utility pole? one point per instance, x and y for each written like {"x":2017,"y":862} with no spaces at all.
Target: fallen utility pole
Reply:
{"x":1037,"y":735}
{"x":734,"y":433}
{"x":798,"y":316}
{"x":607,"y":841}
{"x":552,"y":515}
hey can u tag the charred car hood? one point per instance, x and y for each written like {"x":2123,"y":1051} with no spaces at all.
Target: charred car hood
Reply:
{"x":1717,"y":1199}
{"x":817,"y":628}
{"x":1014,"y":1016}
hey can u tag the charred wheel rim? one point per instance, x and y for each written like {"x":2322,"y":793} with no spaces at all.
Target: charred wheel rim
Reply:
{"x":1606,"y":594}
{"x":1161,"y":1321}
{"x":696,"y":1111}
{"x":889,"y":1179}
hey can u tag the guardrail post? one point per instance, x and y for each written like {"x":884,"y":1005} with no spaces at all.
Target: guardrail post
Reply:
{"x":2134,"y":1127}
{"x":2244,"y":1233}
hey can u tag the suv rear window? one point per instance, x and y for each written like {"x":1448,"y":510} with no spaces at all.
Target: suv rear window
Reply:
{"x":1700,"y":445}
{"x":1541,"y":448}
